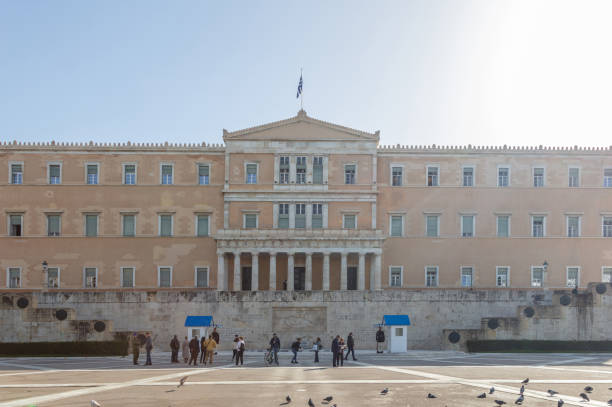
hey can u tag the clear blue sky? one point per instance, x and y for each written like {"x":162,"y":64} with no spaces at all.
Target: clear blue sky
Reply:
{"x":444,"y":72}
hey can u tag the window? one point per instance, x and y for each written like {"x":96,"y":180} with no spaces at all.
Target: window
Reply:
{"x":16,"y":174}
{"x":167,"y":171}
{"x":251,"y":173}
{"x":129,"y":225}
{"x":432,"y":176}
{"x":431,"y":276}
{"x":91,"y":225}
{"x":396,"y":176}
{"x":300,"y":170}
{"x":607,"y":178}
{"x":53,"y":225}
{"x":92,"y":174}
{"x":503,"y":226}
{"x":466,"y":276}
{"x":300,"y":216}
{"x":537,"y":226}
{"x":395,"y":276}
{"x":165,"y":225}
{"x":606,"y":275}
{"x":127,"y":277}
{"x":538,"y":177}
{"x":317,"y":170}
{"x":537,"y":276}
{"x":432,"y":225}
{"x":573,"y":226}
{"x":574,"y":177}
{"x":349,"y":173}
{"x":203,"y":174}
{"x":129,"y":174}
{"x":468,"y":176}
{"x":573,"y":276}
{"x":250,"y":220}
{"x":201,"y":277}
{"x":90,"y":279}
{"x":607,"y":226}
{"x":349,"y":222}
{"x":13,"y":277}
{"x":164,"y":277}
{"x":202,"y":225}
{"x":283,"y":216}
{"x":16,"y":225}
{"x":502,"y":275}
{"x":283,"y":175}
{"x":399,"y":332}
{"x":55,"y":173}
{"x":397,"y":225}
{"x":53,"y":280}
{"x":317,"y":216}
{"x":503,"y":176}
{"x":467,"y":225}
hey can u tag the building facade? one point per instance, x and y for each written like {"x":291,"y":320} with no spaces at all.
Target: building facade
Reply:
{"x":303,"y":205}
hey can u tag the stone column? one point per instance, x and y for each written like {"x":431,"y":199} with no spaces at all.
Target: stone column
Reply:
{"x":254,"y":271}
{"x":361,"y":272}
{"x":343,"y":271}
{"x":376,"y":271}
{"x":326,"y":271}
{"x":308,"y":283}
{"x":272,"y":271}
{"x":290,"y":272}
{"x":237,"y":282}
{"x":221,"y":278}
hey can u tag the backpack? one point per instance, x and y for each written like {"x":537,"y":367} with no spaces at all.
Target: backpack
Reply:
{"x":242,"y":347}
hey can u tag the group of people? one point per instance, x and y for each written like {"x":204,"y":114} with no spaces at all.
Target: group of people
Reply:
{"x":238,"y":349}
{"x":338,"y":347}
{"x":136,"y":344}
{"x":206,"y":348}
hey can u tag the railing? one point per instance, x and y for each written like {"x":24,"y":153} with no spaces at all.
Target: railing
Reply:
{"x":299,"y":233}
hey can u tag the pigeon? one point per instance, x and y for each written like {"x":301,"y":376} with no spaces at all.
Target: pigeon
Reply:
{"x":94,"y":403}
{"x":431,"y":396}
{"x":310,"y":403}
{"x":588,"y":389}
{"x":491,"y":390}
{"x":182,"y":381}
{"x":522,"y":389}
{"x":552,"y":392}
{"x":500,"y":402}
{"x":385,"y":390}
{"x":288,"y":398}
{"x":520,"y":399}
{"x":482,"y":396}
{"x":328,"y":398}
{"x":560,"y":403}
{"x":584,"y":397}
{"x":525,"y":381}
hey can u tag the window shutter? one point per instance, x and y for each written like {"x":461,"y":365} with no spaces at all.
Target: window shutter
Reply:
{"x":91,"y":225}
{"x":202,"y":225}
{"x":128,"y":225}
{"x":432,"y":226}
{"x":53,"y":225}
{"x":54,"y":171}
{"x":396,"y":225}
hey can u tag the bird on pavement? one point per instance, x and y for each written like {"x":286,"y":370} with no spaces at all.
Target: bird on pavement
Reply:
{"x":588,"y":389}
{"x":522,"y":389}
{"x":384,"y":391}
{"x":310,"y":403}
{"x":520,"y":399}
{"x":328,"y":398}
{"x":288,"y":398}
{"x":500,"y":402}
{"x":552,"y":392}
{"x":182,"y":381}
{"x":431,"y":396}
{"x":560,"y":403}
{"x":525,"y":381}
{"x":482,"y":396}
{"x":94,"y":403}
{"x":491,"y":390}
{"x":584,"y":397}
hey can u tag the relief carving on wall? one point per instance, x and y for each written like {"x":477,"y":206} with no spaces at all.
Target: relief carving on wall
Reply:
{"x":300,"y":319}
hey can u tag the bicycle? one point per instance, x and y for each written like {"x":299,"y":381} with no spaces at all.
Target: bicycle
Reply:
{"x":269,"y":357}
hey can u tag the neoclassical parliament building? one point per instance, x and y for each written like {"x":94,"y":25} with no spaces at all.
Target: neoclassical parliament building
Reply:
{"x":302,"y":205}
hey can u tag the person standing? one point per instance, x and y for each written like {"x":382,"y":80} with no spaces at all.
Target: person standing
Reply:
{"x":185,"y":350}
{"x":317,"y":347}
{"x":194,"y":347}
{"x":335,"y":348}
{"x":211,"y":345}
{"x":203,"y":350}
{"x":350,"y":343}
{"x":235,"y":347}
{"x":341,"y":353}
{"x":175,"y":345}
{"x":295,"y":348}
{"x":148,"y":348}
{"x":380,"y":340}
{"x":135,"y":348}
{"x":215,"y":336}
{"x":275,"y":347}
{"x":241,"y":347}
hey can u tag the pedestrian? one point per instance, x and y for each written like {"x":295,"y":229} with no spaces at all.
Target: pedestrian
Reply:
{"x":148,"y":348}
{"x":275,"y":347}
{"x":341,"y":353}
{"x":350,"y":343}
{"x":211,"y":345}
{"x":194,"y":347}
{"x":185,"y":350}
{"x":295,"y":348}
{"x":203,"y":349}
{"x":175,"y":345}
{"x":317,"y":347}
{"x":241,"y":347}
{"x":380,"y":340}
{"x":235,"y":347}
{"x":135,"y":348}
{"x":335,"y":348}
{"x":285,"y":285}
{"x":215,"y":336}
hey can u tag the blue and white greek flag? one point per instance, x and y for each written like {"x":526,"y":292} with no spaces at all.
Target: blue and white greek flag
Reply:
{"x":299,"y":90}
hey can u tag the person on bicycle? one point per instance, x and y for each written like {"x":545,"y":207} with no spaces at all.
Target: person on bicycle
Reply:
{"x":275,"y":347}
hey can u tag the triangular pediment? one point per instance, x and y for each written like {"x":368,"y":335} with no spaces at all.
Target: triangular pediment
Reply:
{"x":300,"y":128}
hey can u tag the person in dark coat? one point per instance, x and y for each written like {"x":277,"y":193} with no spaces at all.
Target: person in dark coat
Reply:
{"x":203,"y":349}
{"x":148,"y":348}
{"x":380,"y":340}
{"x":135,"y":348}
{"x":317,"y":347}
{"x":175,"y":345}
{"x":194,"y":349}
{"x":215,"y":336}
{"x":275,"y":347}
{"x":235,"y":347}
{"x":335,"y":348}
{"x":295,"y":348}
{"x":350,"y":344}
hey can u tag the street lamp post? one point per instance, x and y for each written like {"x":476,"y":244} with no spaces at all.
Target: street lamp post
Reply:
{"x":45,"y":267}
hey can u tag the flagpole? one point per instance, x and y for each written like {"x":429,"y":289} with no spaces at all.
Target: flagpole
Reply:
{"x":301,"y":93}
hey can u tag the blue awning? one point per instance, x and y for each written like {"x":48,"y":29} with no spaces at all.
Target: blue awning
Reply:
{"x":199,"y":320}
{"x":396,"y":320}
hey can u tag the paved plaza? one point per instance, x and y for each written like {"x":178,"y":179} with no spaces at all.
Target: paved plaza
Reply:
{"x":456,"y":379}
